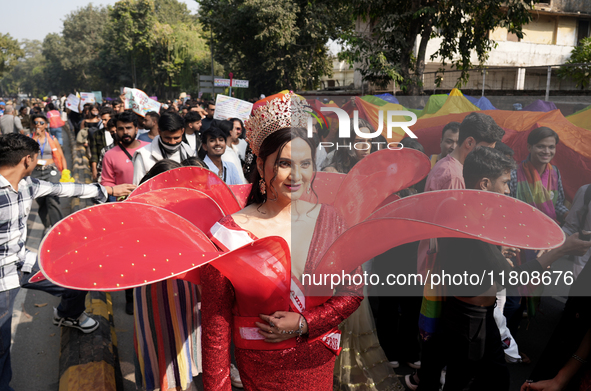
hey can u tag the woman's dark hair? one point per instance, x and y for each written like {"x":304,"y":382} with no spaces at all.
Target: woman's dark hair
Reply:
{"x":538,"y":134}
{"x":51,"y":106}
{"x":160,"y":167}
{"x":243,"y":133}
{"x":275,"y":142}
{"x":344,"y":158}
{"x":226,"y":127}
{"x":111,"y":124}
{"x":411,"y":143}
{"x":90,"y":108}
{"x":193,"y":161}
{"x":170,"y":121}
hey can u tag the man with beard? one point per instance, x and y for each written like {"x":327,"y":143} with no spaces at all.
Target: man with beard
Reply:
{"x":151,"y":124}
{"x":168,"y":145}
{"x":117,"y":166}
{"x":449,"y":141}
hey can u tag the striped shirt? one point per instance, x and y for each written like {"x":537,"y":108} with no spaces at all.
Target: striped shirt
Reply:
{"x":15,"y":207}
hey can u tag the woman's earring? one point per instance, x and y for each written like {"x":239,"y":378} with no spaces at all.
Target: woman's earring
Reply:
{"x":263,"y":186}
{"x":309,"y":188}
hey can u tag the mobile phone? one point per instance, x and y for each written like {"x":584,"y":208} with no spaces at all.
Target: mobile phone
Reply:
{"x":585,"y":236}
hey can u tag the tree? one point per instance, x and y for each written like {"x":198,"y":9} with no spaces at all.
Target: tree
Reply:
{"x":10,"y":52}
{"x":581,"y":72}
{"x":27,"y":74}
{"x":275,"y":45}
{"x":72,"y":55}
{"x":386,"y":51}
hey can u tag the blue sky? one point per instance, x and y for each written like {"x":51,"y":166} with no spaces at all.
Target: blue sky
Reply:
{"x":41,"y":17}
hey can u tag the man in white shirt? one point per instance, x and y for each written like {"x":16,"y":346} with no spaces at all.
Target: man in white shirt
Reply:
{"x":168,"y":145}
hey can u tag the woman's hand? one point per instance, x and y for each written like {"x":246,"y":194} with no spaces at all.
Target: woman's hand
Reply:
{"x":544,"y":385}
{"x":278,"y":325}
{"x":509,"y":252}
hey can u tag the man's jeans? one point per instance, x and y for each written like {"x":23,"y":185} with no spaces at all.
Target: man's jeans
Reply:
{"x":57,"y":133}
{"x":71,"y":305}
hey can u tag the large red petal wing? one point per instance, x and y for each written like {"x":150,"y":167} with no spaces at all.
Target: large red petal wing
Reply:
{"x":241,"y":193}
{"x":260,"y":273}
{"x":122,"y":245}
{"x":196,"y":178}
{"x":375,"y":178}
{"x":195,"y":206}
{"x":325,"y":186}
{"x":489,"y":217}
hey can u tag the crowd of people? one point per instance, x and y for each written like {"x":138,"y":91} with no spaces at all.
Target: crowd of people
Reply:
{"x":463,"y":340}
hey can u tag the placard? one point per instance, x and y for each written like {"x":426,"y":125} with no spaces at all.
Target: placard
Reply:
{"x":227,"y":107}
{"x":98,"y":95}
{"x":139,"y":102}
{"x":87,"y":97}
{"x":72,"y":103}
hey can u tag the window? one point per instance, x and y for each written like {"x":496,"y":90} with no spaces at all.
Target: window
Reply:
{"x":582,"y":30}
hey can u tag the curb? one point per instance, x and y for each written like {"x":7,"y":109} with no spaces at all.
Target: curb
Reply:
{"x":91,"y":361}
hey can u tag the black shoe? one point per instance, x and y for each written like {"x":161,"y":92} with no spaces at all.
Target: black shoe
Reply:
{"x":129,"y":308}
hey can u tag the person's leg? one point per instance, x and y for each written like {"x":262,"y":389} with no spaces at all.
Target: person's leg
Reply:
{"x":72,"y":303}
{"x":433,"y":359}
{"x":387,"y":326}
{"x":57,"y":133}
{"x":512,"y":310}
{"x":410,"y":308}
{"x":492,"y":373}
{"x":6,"y":307}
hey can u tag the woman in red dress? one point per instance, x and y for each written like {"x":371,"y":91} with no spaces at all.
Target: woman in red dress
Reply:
{"x":286,"y":350}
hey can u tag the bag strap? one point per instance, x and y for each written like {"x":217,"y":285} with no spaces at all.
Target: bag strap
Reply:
{"x":125,"y":150}
{"x":585,"y":209}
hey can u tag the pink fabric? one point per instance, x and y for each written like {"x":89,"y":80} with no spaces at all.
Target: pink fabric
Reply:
{"x":117,"y":167}
{"x":447,"y":174}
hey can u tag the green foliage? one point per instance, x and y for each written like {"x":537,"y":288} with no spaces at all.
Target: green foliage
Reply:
{"x":386,"y":51}
{"x":157,"y":43}
{"x":10,"y":52}
{"x":27,"y":74}
{"x":275,"y":45}
{"x":581,"y":72}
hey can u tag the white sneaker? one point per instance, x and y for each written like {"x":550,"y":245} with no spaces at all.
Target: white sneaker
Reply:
{"x":411,"y":382}
{"x":414,"y":365}
{"x":83,"y":323}
{"x":442,"y":378}
{"x":394,"y":364}
{"x":235,"y":377}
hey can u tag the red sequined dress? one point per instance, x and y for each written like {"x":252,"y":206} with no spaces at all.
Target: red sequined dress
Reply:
{"x":306,"y":366}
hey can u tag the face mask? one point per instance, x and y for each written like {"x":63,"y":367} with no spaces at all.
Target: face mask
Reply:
{"x":170,"y":148}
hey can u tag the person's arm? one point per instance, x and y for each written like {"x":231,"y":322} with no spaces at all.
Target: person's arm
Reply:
{"x":572,"y":246}
{"x":216,"y":315}
{"x":561,"y":210}
{"x":572,"y":223}
{"x":335,"y":310}
{"x":18,"y":124}
{"x":566,"y":373}
{"x":95,"y":191}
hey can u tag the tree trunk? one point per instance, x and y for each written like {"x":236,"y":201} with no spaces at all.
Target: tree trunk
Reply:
{"x":420,"y":67}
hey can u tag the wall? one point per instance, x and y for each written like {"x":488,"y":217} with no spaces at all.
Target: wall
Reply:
{"x":573,"y":6}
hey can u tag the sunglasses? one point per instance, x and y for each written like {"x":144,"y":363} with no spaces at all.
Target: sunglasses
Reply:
{"x":39,"y":123}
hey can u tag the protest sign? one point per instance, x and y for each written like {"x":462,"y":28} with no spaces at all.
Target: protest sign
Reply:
{"x":72,"y":103}
{"x":98,"y":96}
{"x":87,"y":97}
{"x":139,"y":102}
{"x":227,"y":107}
